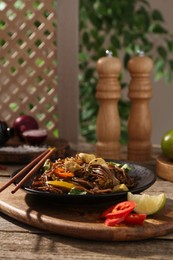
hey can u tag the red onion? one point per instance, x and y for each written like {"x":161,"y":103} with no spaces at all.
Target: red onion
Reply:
{"x":35,"y":136}
{"x":23,"y":123}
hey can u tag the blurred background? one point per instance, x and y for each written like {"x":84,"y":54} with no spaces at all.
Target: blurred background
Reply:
{"x":162,"y":103}
{"x":48,"y":61}
{"x":136,"y":25}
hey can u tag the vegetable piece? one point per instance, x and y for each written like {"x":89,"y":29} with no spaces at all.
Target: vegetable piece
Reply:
{"x":47,"y":165}
{"x":134,"y":218}
{"x":60,"y":172}
{"x":122,"y":212}
{"x":114,"y":221}
{"x":126,"y":167}
{"x":85,"y":157}
{"x":75,"y":191}
{"x":71,"y":165}
{"x":35,"y":136}
{"x":61,"y":184}
{"x":23,"y":123}
{"x":120,"y":187}
{"x":121,"y":209}
{"x":100,"y":161}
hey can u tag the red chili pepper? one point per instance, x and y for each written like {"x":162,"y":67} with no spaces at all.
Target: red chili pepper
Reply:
{"x":121,"y":212}
{"x":114,"y":221}
{"x":121,"y":209}
{"x":134,"y":218}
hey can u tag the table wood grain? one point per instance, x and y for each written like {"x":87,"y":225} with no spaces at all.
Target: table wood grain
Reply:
{"x":20,"y":241}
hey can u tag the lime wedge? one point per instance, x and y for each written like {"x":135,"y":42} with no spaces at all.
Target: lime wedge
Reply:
{"x":147,"y":204}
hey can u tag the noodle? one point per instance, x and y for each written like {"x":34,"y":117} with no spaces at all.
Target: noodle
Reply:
{"x":83,"y":174}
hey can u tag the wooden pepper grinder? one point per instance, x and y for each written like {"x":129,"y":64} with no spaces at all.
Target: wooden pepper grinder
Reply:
{"x":108,"y":94}
{"x":139,"y":123}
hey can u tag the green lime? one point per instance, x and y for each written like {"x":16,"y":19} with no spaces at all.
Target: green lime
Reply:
{"x":147,"y":204}
{"x":167,"y":144}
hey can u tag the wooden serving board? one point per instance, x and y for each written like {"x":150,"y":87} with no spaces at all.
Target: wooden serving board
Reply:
{"x":164,"y":168}
{"x":80,"y":221}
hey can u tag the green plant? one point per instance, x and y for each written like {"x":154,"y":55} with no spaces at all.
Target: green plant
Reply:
{"x":124,"y":27}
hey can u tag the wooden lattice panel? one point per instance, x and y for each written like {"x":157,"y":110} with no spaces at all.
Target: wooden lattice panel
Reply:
{"x":28,"y":59}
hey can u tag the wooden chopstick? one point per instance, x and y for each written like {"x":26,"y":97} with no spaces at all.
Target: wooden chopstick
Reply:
{"x":33,"y":170}
{"x":25,"y":169}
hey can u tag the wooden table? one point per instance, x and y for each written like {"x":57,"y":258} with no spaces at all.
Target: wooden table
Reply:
{"x":20,"y":241}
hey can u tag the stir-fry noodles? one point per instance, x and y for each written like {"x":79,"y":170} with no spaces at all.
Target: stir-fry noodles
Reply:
{"x":83,"y":174}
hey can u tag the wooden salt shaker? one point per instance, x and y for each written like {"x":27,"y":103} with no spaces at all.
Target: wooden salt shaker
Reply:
{"x":108,"y":121}
{"x":139,"y":123}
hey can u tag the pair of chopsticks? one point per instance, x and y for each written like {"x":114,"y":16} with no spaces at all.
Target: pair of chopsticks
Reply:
{"x":32,"y":167}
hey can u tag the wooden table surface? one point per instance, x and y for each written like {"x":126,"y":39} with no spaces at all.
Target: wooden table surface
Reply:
{"x":20,"y":241}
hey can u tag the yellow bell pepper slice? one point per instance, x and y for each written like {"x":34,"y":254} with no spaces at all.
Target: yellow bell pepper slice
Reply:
{"x":61,"y":184}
